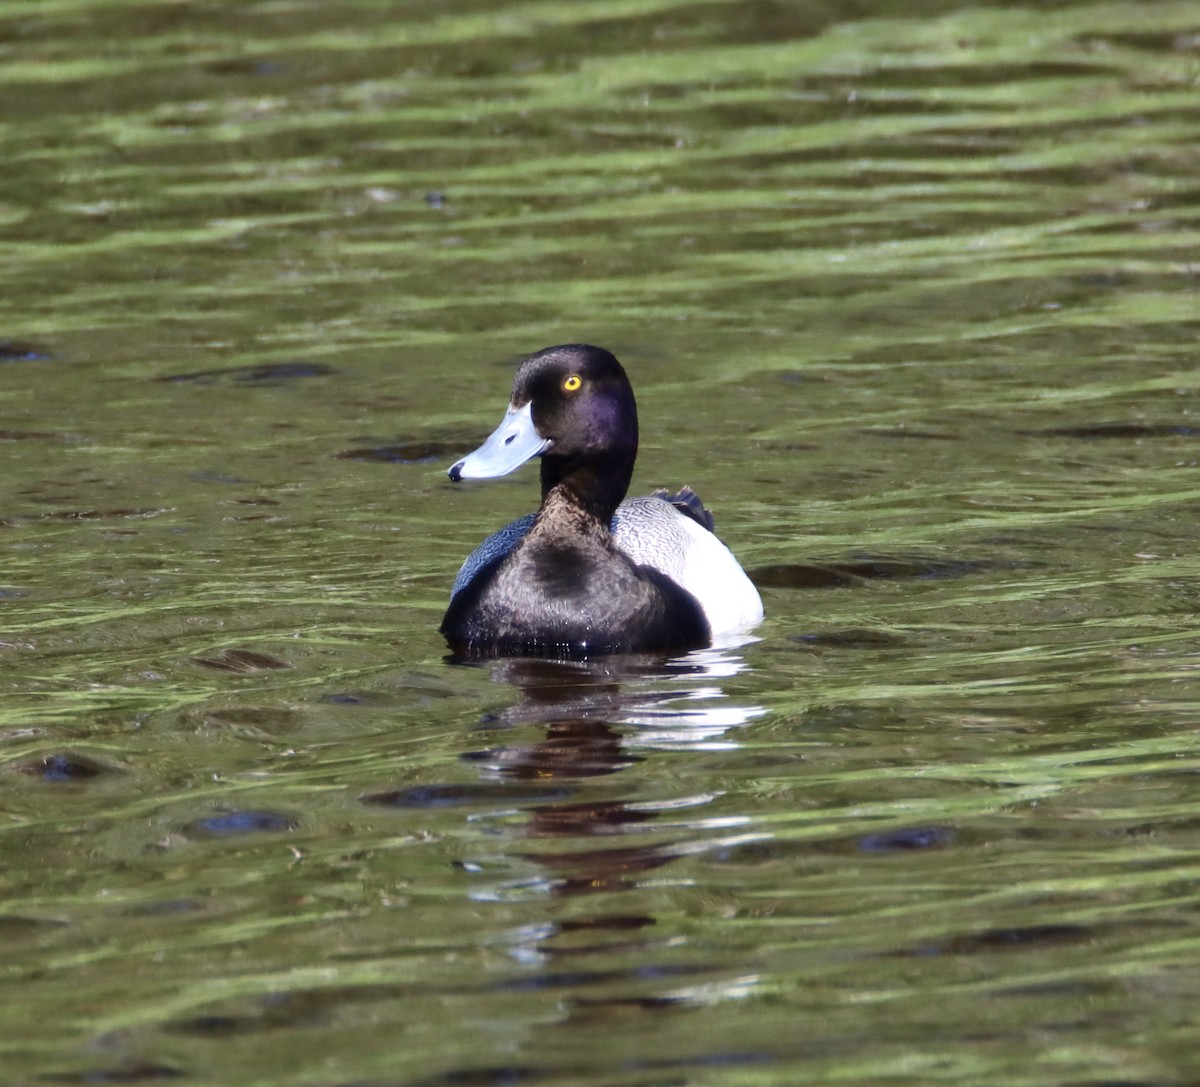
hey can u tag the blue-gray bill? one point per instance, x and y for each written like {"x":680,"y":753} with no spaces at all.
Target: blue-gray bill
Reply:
{"x":509,"y":446}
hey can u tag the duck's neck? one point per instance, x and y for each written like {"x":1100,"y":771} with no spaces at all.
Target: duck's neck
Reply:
{"x":595,"y":488}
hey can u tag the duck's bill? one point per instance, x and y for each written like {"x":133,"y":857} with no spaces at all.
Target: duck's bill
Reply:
{"x":509,"y":446}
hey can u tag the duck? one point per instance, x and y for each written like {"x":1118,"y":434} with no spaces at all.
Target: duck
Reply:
{"x":592,"y":572}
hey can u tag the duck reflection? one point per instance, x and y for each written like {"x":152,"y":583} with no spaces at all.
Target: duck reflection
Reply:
{"x":601,"y":717}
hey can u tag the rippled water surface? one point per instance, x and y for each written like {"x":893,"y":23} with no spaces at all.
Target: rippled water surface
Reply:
{"x":907,"y":291}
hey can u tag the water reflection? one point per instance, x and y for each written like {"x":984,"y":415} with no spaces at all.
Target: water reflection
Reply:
{"x":595,"y":718}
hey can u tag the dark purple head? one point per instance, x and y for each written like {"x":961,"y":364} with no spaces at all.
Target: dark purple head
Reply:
{"x":582,"y":404}
{"x":581,"y":401}
{"x":573,"y":407}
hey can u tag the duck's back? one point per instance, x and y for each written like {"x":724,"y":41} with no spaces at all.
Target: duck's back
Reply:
{"x":654,"y":533}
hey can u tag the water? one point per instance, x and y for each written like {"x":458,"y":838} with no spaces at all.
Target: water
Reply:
{"x":908,"y":293}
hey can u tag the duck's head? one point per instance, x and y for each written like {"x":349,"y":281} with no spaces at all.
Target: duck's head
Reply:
{"x":571,"y":405}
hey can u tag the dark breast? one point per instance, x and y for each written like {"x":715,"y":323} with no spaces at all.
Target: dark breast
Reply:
{"x":571,"y":598}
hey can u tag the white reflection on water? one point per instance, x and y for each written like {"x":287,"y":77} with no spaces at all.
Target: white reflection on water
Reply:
{"x":605,"y":821}
{"x":670,"y":701}
{"x":706,"y":715}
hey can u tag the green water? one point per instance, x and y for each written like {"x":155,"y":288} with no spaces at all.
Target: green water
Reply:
{"x":907,"y":292}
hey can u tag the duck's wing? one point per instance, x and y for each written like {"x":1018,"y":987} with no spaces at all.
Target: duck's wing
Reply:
{"x":656,"y":533}
{"x":499,"y":543}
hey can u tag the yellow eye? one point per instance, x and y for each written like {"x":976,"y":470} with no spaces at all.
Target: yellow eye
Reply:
{"x":572,"y":383}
